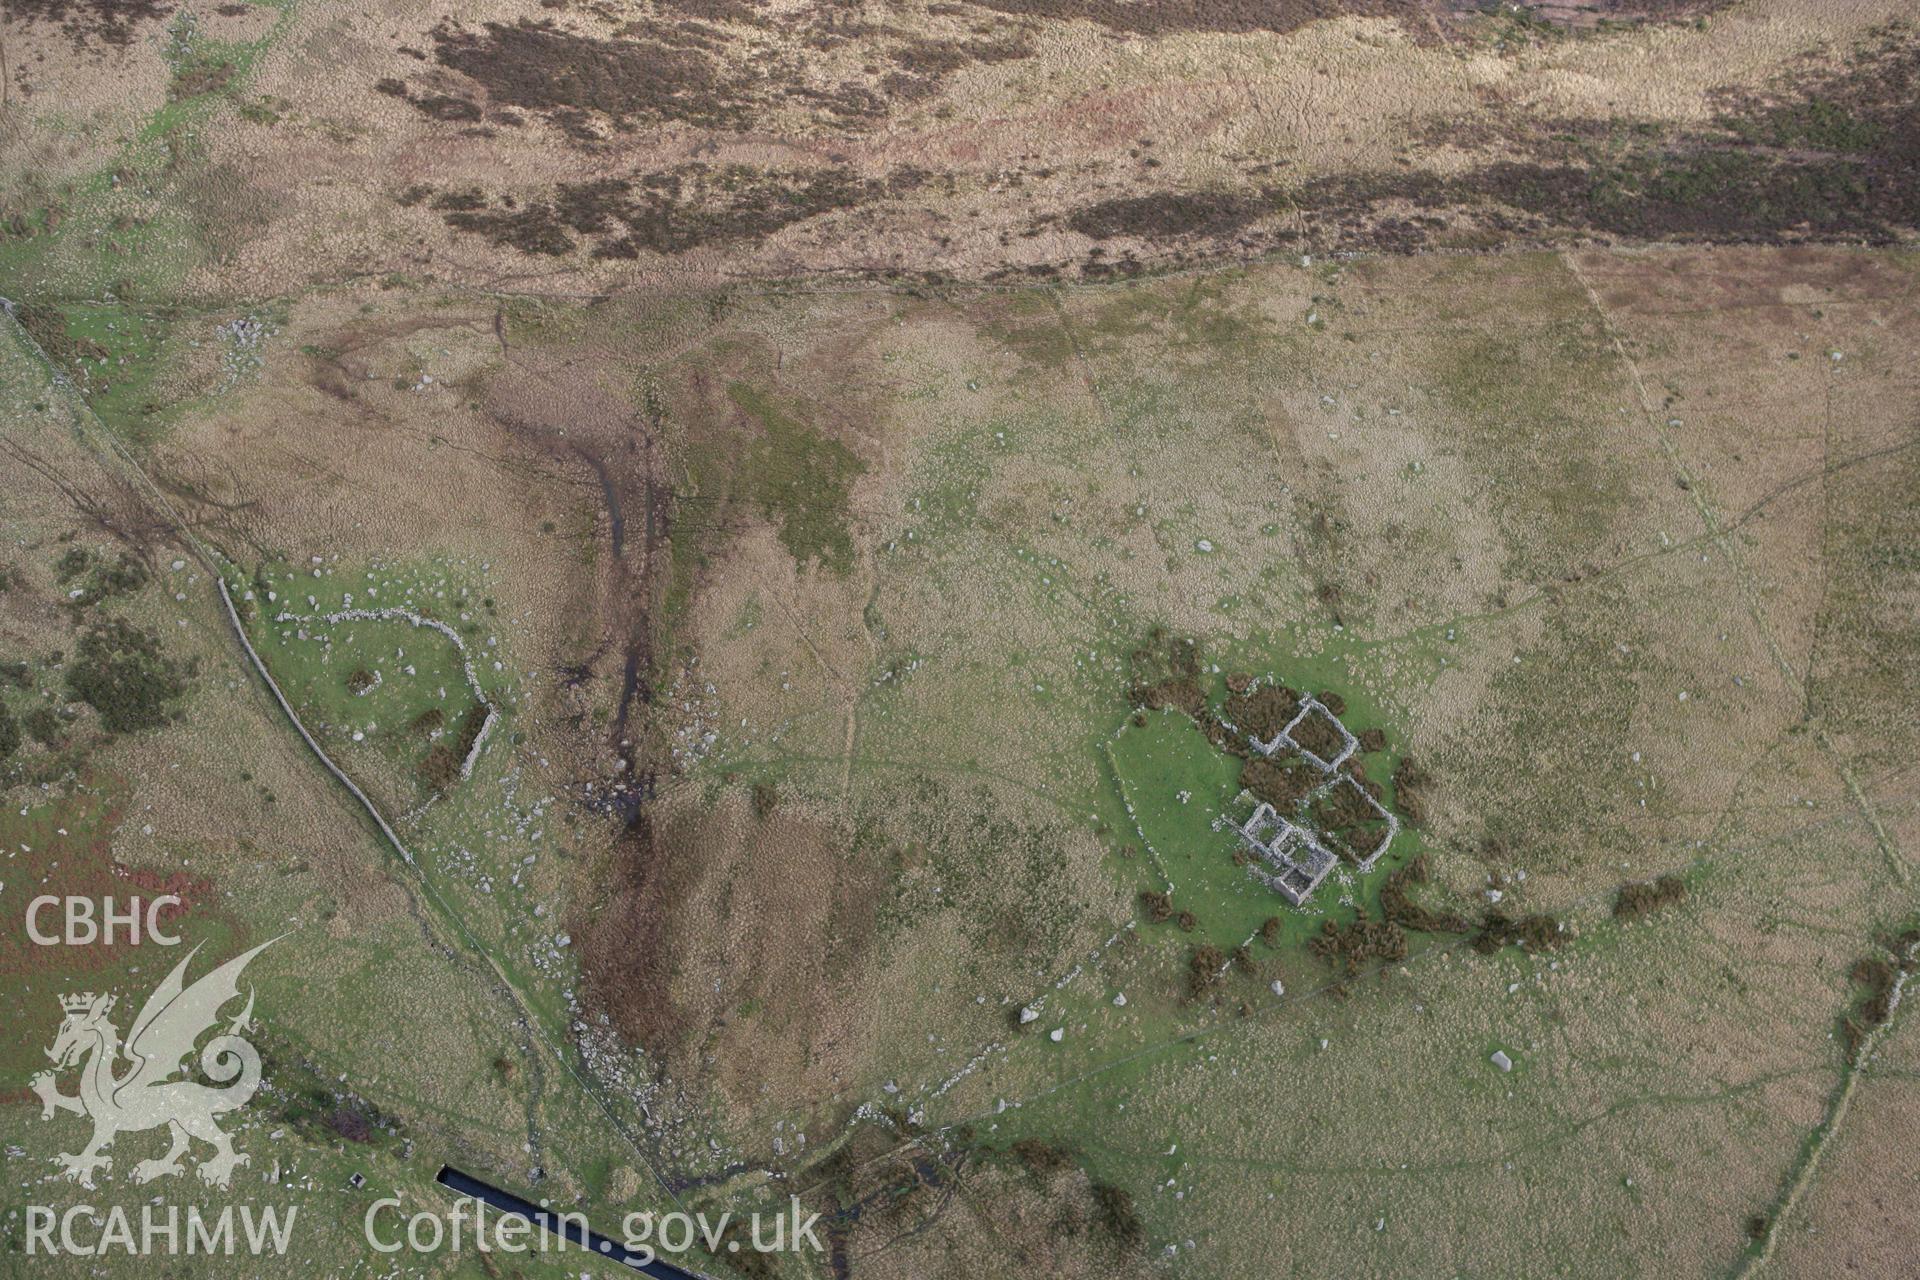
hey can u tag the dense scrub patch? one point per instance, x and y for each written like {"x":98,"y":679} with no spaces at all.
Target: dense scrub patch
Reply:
{"x":1828,"y":155}
{"x":1166,"y":17}
{"x":691,"y":71}
{"x":1412,"y":788}
{"x":1092,"y":1225}
{"x":1118,"y":1215}
{"x":1165,"y":214}
{"x":1866,"y":106}
{"x":1359,"y":941}
{"x":1362,"y":940}
{"x":1203,"y":969}
{"x":1284,"y":784}
{"x":1346,"y":822}
{"x":1875,"y":979}
{"x":665,"y":212}
{"x":88,"y":22}
{"x":1533,"y":932}
{"x":535,"y":65}
{"x":92,"y":580}
{"x":1644,"y":897}
{"x":121,"y":672}
{"x":1397,"y":902}
{"x":440,"y":766}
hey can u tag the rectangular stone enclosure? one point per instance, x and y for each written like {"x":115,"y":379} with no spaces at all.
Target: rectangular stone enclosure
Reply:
{"x":1292,"y":859}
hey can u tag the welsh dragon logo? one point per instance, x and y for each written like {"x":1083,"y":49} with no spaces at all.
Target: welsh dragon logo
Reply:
{"x":143,"y":1097}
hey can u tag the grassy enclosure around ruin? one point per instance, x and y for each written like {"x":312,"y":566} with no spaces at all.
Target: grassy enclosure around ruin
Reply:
{"x":1186,"y":798}
{"x":385,"y":687}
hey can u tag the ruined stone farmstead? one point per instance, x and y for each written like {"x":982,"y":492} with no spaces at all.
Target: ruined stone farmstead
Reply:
{"x":1290,"y":858}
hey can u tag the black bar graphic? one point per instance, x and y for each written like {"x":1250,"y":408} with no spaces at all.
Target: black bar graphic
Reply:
{"x":567,"y":1229}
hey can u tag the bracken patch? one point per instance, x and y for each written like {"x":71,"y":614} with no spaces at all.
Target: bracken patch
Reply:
{"x":1166,"y":214}
{"x":1164,"y":17}
{"x":121,"y":672}
{"x":1833,"y":155}
{"x":538,"y":67}
{"x":664,"y":213}
{"x":1644,"y":897}
{"x":85,"y":22}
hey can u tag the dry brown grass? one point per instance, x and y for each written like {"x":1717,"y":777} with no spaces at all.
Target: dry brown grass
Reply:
{"x":1453,"y":446}
{"x":937,"y":141}
{"x":740,"y":939}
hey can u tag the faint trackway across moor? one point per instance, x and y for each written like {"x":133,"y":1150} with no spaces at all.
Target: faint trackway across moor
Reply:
{"x":1808,"y":1167}
{"x":1715,"y":534}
